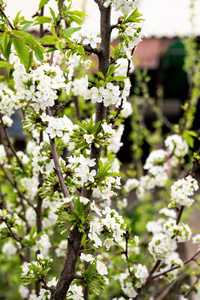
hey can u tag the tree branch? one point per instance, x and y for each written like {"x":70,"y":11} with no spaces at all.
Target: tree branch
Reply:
{"x":4,"y":15}
{"x":57,"y":164}
{"x":192,"y":287}
{"x":176,"y":267}
{"x":75,"y":237}
{"x":87,"y":48}
{"x":42,"y":25}
{"x":77,"y":108}
{"x":15,"y":186}
{"x":13,"y":235}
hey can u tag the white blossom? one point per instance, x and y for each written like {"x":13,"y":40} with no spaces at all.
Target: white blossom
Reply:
{"x":182,"y":190}
{"x":23,"y":291}
{"x":86,"y":257}
{"x":89,"y":138}
{"x":84,"y":200}
{"x":91,"y":39}
{"x":9,"y":249}
{"x":177,"y":145}
{"x":77,"y":293}
{"x":62,"y":247}
{"x":101,"y":268}
{"x":161,"y":246}
{"x":3,"y":157}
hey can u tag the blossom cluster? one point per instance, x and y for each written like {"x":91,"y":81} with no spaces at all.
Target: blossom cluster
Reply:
{"x":44,"y":294}
{"x":108,"y":95}
{"x":139,"y":274}
{"x":125,"y":7}
{"x":167,"y":232}
{"x":182,"y":190}
{"x":112,"y":223}
{"x":158,"y":166}
{"x":86,"y":37}
{"x":100,"y":266}
{"x":57,"y":127}
{"x":176,"y":145}
{"x":8,"y":101}
{"x":39,"y":88}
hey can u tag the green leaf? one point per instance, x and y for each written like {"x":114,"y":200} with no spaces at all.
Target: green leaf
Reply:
{"x":3,"y":64}
{"x":23,"y":52}
{"x":53,"y":31}
{"x":111,"y":70}
{"x":30,"y":61}
{"x":117,"y":51}
{"x":39,"y":54}
{"x":192,"y":133}
{"x":70,"y":31}
{"x":60,"y":45}
{"x":189,"y":136}
{"x":80,"y":50}
{"x":17,"y":20}
{"x":78,"y":13}
{"x":76,"y":19}
{"x":112,"y":48}
{"x":49,"y":39}
{"x":30,"y":40}
{"x":19,"y":33}
{"x":5,"y":45}
{"x":117,"y":78}
{"x":42,"y":20}
{"x":78,"y":207}
{"x":52,"y":13}
{"x":42,"y":3}
{"x":134,"y":17}
{"x":100,"y":74}
{"x":26,"y":26}
{"x":17,"y":16}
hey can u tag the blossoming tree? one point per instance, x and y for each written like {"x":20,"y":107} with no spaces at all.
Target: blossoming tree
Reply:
{"x":58,"y":222}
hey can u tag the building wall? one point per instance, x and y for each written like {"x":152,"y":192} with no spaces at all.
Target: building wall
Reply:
{"x":162,"y":17}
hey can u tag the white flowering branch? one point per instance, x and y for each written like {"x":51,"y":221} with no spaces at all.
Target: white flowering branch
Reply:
{"x":67,"y":274}
{"x":192,"y":258}
{"x":87,"y":48}
{"x":57,"y":164}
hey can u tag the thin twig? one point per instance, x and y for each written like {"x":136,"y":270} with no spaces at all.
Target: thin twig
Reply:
{"x":46,"y":287}
{"x":87,"y":48}
{"x":129,"y":63}
{"x":127,"y":236}
{"x":57,"y":164}
{"x":155,"y":267}
{"x":77,"y":107}
{"x":179,"y":214}
{"x":42,"y":25}
{"x":4,"y":15}
{"x":5,"y":146}
{"x":15,"y":186}
{"x":13,"y":235}
{"x":176,"y":267}
{"x":192,"y":287}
